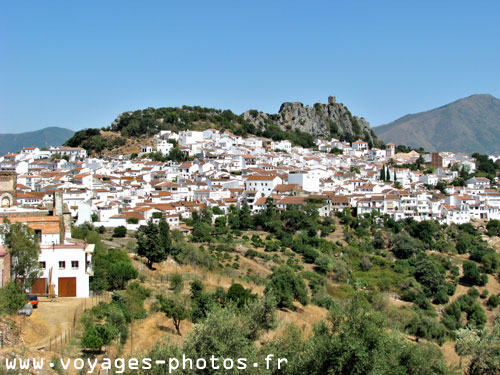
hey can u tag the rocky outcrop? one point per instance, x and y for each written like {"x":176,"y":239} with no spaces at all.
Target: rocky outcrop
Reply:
{"x":321,"y":120}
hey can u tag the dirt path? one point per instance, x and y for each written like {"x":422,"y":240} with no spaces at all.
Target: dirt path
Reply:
{"x":51,"y":320}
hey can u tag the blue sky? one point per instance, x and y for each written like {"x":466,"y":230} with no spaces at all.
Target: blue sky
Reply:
{"x":79,"y":64}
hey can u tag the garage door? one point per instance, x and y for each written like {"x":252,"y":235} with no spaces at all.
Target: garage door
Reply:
{"x":67,"y":287}
{"x":39,"y":286}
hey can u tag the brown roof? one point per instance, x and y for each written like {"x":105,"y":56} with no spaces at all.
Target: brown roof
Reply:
{"x":133,"y":214}
{"x":47,"y":224}
{"x":289,"y":187}
{"x":292,"y":200}
{"x":260,"y":178}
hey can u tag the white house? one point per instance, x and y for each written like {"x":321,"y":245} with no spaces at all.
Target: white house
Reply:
{"x":263,"y":184}
{"x":478,"y":182}
{"x":282,"y":145}
{"x":308,"y":181}
{"x":360,"y":145}
{"x":77,"y":152}
{"x":211,"y":134}
{"x":190,"y":137}
{"x":429,"y":179}
{"x":67,"y":267}
{"x":163,"y":146}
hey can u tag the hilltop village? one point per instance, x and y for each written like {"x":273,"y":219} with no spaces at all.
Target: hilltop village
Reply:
{"x":222,"y":169}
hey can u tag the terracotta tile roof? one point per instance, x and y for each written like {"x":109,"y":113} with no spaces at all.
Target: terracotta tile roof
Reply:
{"x":292,"y":200}
{"x":260,"y":178}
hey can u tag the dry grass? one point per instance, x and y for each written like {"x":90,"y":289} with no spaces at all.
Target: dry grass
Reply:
{"x":156,"y":327}
{"x":450,"y":355}
{"x":51,"y":319}
{"x":304,"y":317}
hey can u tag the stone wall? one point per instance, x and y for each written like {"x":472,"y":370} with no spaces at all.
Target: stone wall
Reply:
{"x":8,"y":182}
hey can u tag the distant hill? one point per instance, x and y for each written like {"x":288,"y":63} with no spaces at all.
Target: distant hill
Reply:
{"x":467,"y":125}
{"x":51,"y":136}
{"x":297,"y":122}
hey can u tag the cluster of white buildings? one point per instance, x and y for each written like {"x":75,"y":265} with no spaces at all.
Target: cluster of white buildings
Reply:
{"x":231,"y":170}
{"x":32,"y":159}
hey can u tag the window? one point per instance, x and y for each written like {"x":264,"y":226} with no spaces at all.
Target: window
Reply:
{"x":74,"y":264}
{"x":62,"y":264}
{"x":42,"y":265}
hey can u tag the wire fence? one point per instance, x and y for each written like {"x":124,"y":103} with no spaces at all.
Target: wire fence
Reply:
{"x":62,"y":339}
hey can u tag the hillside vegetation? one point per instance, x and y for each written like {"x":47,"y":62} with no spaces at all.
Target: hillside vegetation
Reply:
{"x":299,"y":129}
{"x":358,"y":295}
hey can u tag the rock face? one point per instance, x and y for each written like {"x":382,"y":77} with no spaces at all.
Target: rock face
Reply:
{"x":320,"y":120}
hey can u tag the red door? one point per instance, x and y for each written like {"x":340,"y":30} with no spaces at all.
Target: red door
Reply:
{"x":39,"y":286}
{"x":67,"y":287}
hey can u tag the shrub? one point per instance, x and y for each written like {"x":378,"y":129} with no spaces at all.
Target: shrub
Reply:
{"x":176,"y":282}
{"x":261,"y":315}
{"x":426,"y":327}
{"x":286,"y":286}
{"x":238,"y":294}
{"x":476,"y":316}
{"x":452,"y":316}
{"x":406,"y":247}
{"x":473,"y":292}
{"x":441,"y":297}
{"x":471,"y":273}
{"x":323,"y":300}
{"x":483,"y":279}
{"x":11,"y":298}
{"x":451,"y":288}
{"x":493,"y":301}
{"x":82,"y":231}
{"x":112,"y":269}
{"x":120,"y":273}
{"x":365,"y":264}
{"x":186,"y":253}
{"x":490,"y":262}
{"x":98,"y":336}
{"x":455,"y":271}
{"x":251,"y":254}
{"x":120,"y":231}
{"x":430,"y":276}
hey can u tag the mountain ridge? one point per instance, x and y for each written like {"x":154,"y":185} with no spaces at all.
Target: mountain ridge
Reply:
{"x":470,"y":124}
{"x":46,"y":137}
